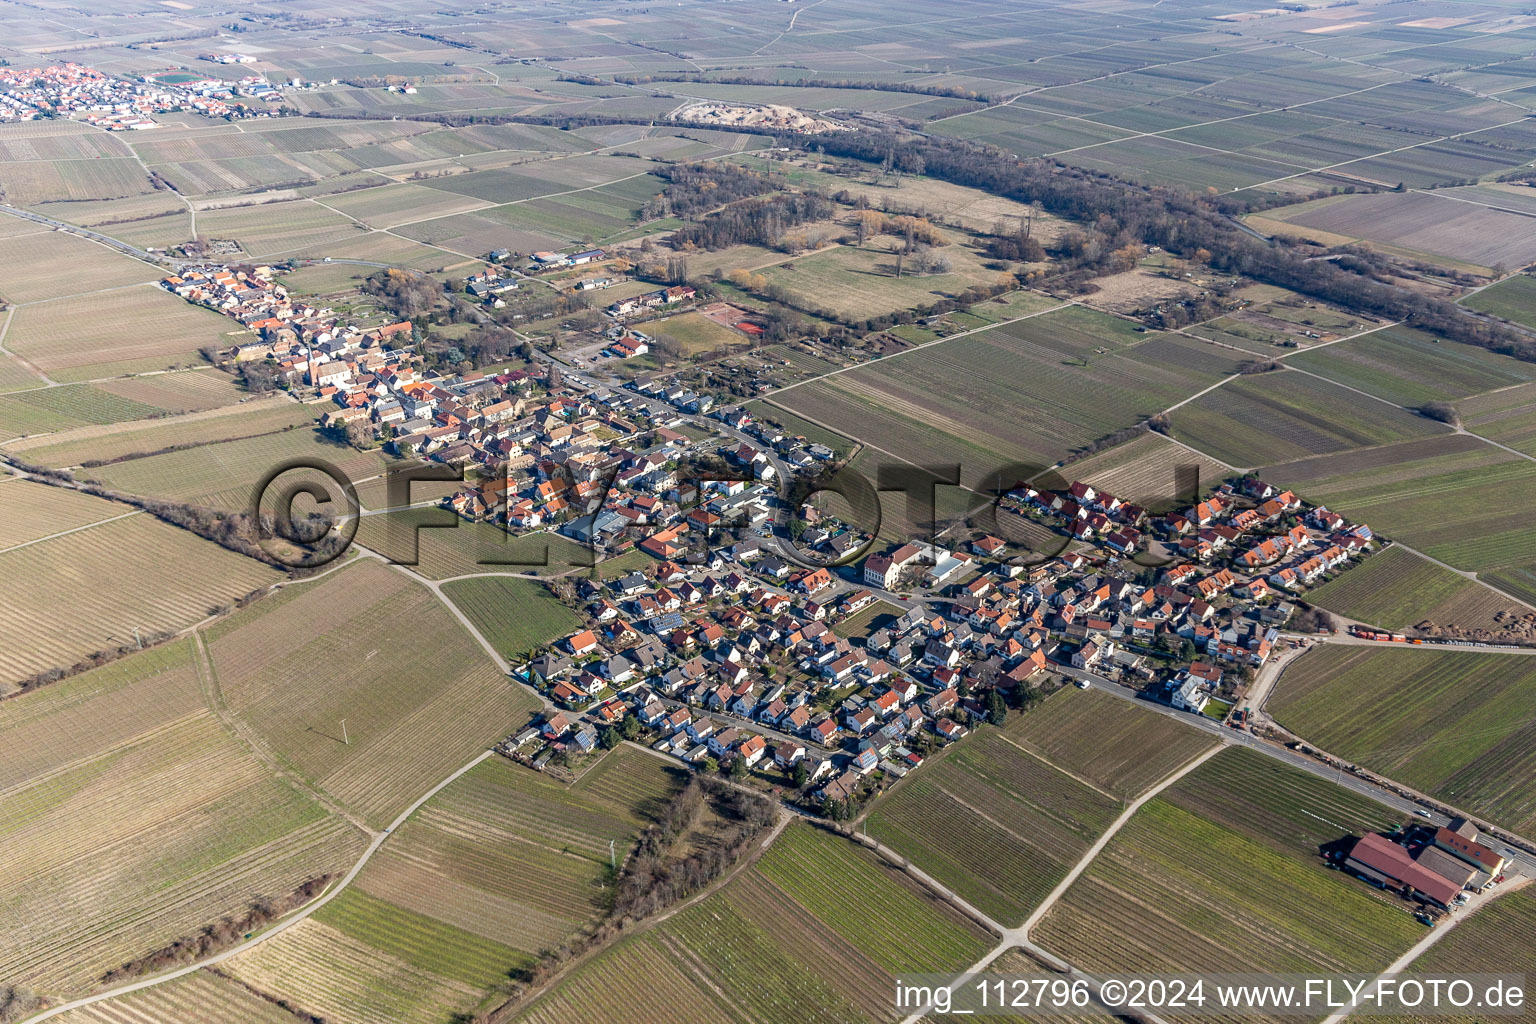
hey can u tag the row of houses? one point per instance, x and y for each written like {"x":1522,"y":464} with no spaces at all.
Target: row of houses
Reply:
{"x":669,"y":296}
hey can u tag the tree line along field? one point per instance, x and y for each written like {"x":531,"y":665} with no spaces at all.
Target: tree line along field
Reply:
{"x":516,"y":615}
{"x":1411,"y":368}
{"x":500,"y":865}
{"x":1455,"y":498}
{"x":1048,"y":384}
{"x":126,"y":572}
{"x":366,"y":644}
{"x":168,"y":821}
{"x":1004,"y":817}
{"x":817,"y":929}
{"x":1223,"y":869}
{"x":1397,"y":590}
{"x":1454,"y":724}
{"x":1278,"y":416}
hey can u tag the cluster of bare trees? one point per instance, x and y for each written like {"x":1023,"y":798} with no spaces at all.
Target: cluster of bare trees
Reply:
{"x":760,"y":221}
{"x":654,"y":878}
{"x":695,"y":189}
{"x":405,"y":293}
{"x":17,"y":1003}
{"x":221,"y":934}
{"x":1115,"y":214}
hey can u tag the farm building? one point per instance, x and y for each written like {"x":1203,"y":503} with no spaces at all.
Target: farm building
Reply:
{"x":1459,"y":843}
{"x":1378,"y":859}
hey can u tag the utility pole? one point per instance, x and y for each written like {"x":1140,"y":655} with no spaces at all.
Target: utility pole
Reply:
{"x":136,"y":639}
{"x":612,"y":859}
{"x":344,"y":739}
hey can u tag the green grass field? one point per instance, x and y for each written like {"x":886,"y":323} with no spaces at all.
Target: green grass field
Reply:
{"x":1224,"y":868}
{"x":859,"y":283}
{"x":1454,"y":724}
{"x":865,"y":622}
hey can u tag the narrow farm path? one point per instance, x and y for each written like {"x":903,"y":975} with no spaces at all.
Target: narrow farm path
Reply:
{"x":1431,"y":937}
{"x":1131,"y":808}
{"x":1019,"y":937}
